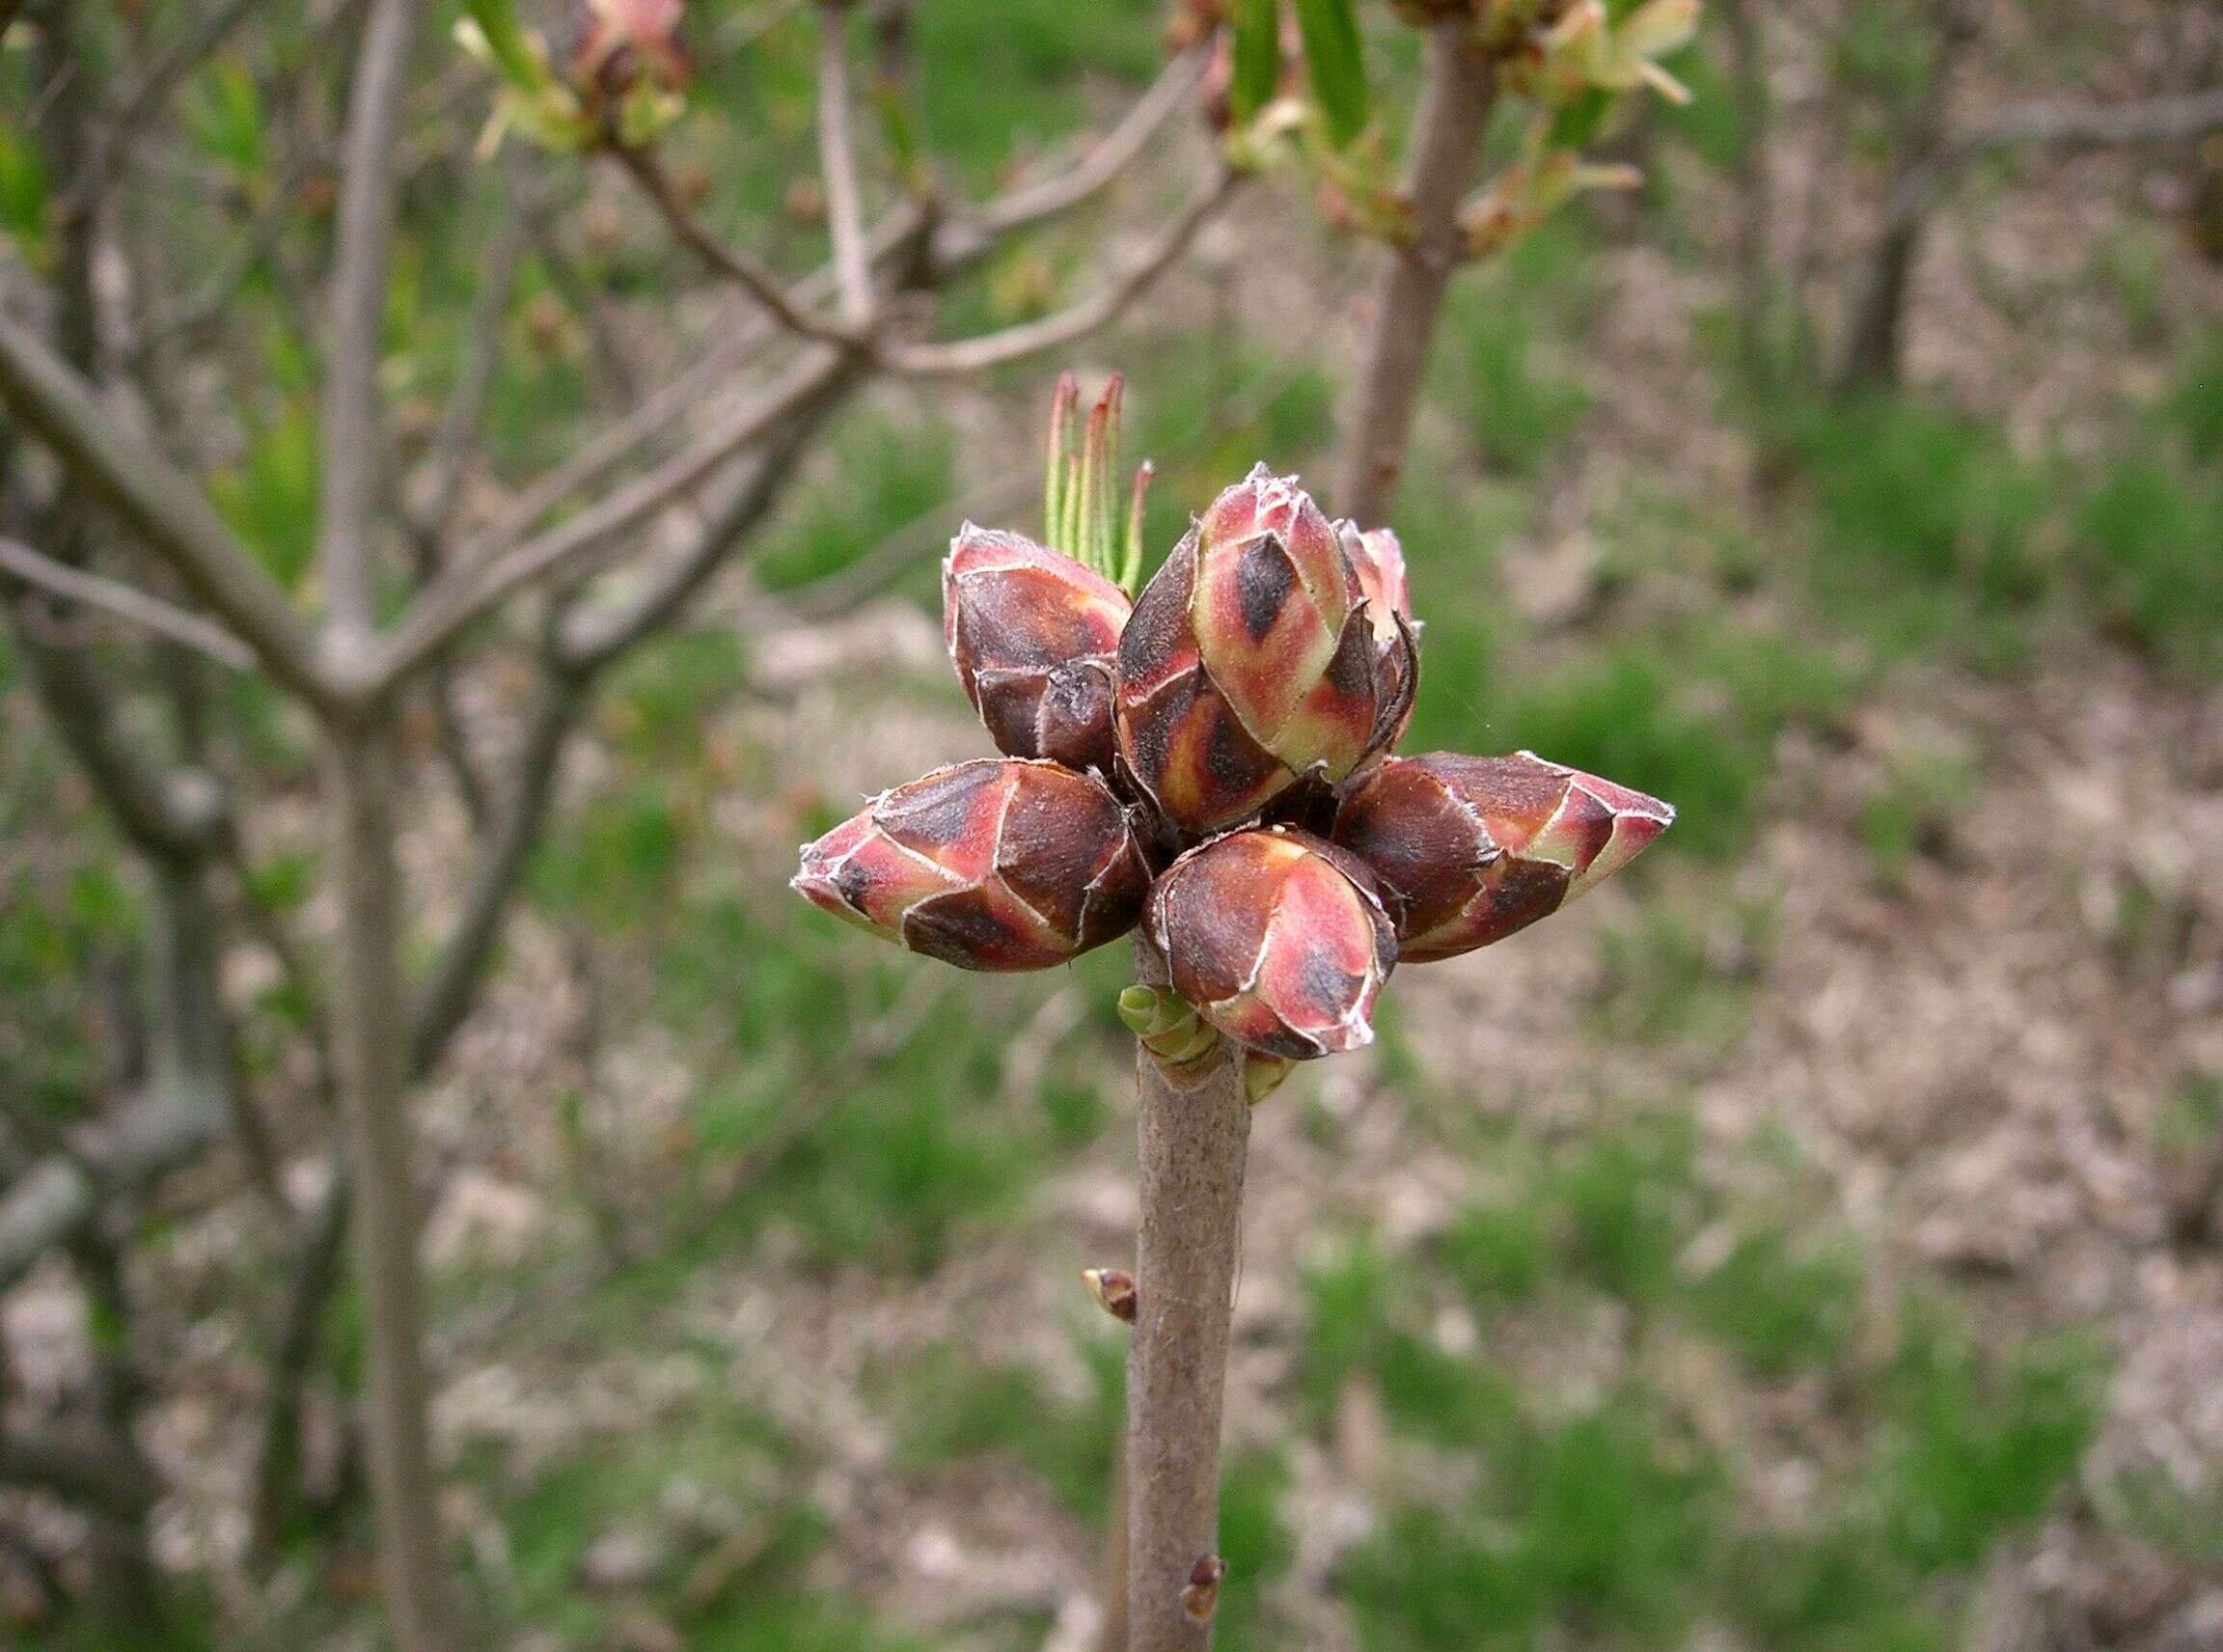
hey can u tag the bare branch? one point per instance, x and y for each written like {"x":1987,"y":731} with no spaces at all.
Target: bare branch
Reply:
{"x":84,"y":1465}
{"x":666,"y":405}
{"x":315,"y":1276}
{"x":1192,"y":1126}
{"x":126,"y":603}
{"x":138,"y":105}
{"x":2068,"y":125}
{"x":383,"y":1204}
{"x":1105,"y":161}
{"x":1028,"y":338}
{"x":164,"y":1129}
{"x":760,"y":283}
{"x":586,"y":645}
{"x":1456,"y":97}
{"x":958,"y":243}
{"x":471,"y":592}
{"x":448,"y":997}
{"x":836,"y":159}
{"x":458,"y":427}
{"x":593,"y":639}
{"x":352,"y":436}
{"x":162,"y":819}
{"x":2051,"y":125}
{"x":161,"y":504}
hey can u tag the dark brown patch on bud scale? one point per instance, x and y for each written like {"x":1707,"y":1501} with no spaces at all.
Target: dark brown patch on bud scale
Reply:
{"x":1265,"y":579}
{"x":1160,"y":621}
{"x":1526,"y":890}
{"x":934,"y":811}
{"x":961,"y":929}
{"x":1351,"y":669}
{"x":1234,"y":759}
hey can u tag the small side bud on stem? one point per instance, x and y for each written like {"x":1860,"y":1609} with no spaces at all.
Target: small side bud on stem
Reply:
{"x":1166,"y":1024}
{"x":1114,"y":1289}
{"x":1201,"y":1598}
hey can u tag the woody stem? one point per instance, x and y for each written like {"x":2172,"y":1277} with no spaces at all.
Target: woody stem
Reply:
{"x":1194,"y":1129}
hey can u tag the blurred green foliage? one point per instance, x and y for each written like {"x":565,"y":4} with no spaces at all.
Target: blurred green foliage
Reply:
{"x":1608,"y":1510}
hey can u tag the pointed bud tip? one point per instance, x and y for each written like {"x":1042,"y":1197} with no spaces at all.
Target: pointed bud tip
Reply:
{"x":1114,"y":1289}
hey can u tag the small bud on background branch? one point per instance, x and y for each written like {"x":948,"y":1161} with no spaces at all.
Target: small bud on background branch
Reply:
{"x":1113,"y":1290}
{"x":1200,"y":1598}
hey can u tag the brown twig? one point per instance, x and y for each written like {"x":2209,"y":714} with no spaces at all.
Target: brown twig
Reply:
{"x":352,"y":428}
{"x":161,"y":505}
{"x":126,"y":603}
{"x":955,"y":242}
{"x":642,"y":166}
{"x":309,"y":1283}
{"x":837,"y":163}
{"x":1879,"y":307}
{"x":1446,"y":156}
{"x":473,"y":589}
{"x":1193,"y":1128}
{"x":1031,"y":203}
{"x":447,"y":998}
{"x":383,"y":1204}
{"x":1031,"y":338}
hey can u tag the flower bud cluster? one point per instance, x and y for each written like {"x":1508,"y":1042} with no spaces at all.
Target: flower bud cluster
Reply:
{"x":1215,"y":761}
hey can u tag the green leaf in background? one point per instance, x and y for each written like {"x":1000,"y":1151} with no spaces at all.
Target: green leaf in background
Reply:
{"x":225,"y":117}
{"x":22,"y":195}
{"x":269,"y":497}
{"x":523,"y":67}
{"x":1257,"y":57}
{"x":1337,"y":63}
{"x":1576,"y":121}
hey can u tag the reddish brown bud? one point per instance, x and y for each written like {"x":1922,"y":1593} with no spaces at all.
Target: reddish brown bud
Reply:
{"x":1277,"y":938}
{"x":1180,"y":740}
{"x":1033,"y":636}
{"x":1252,"y":660}
{"x":1378,"y":561}
{"x":1200,"y":1596}
{"x":1273,"y":611}
{"x":992,"y":864}
{"x":1114,"y":1289}
{"x":616,"y":41}
{"x":1471,"y":849}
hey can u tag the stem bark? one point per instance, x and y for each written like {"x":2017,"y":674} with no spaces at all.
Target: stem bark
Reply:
{"x":1193,"y":1128}
{"x":373,"y":1099}
{"x":1456,"y":97}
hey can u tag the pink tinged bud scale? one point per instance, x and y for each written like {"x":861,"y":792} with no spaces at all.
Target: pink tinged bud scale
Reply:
{"x":1469,"y":850}
{"x":1274,"y":610}
{"x":1253,"y":660}
{"x":1179,"y":738}
{"x":1034,"y":636}
{"x":1279,"y":939}
{"x":998,"y":864}
{"x":1378,"y":561}
{"x":617,"y":40}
